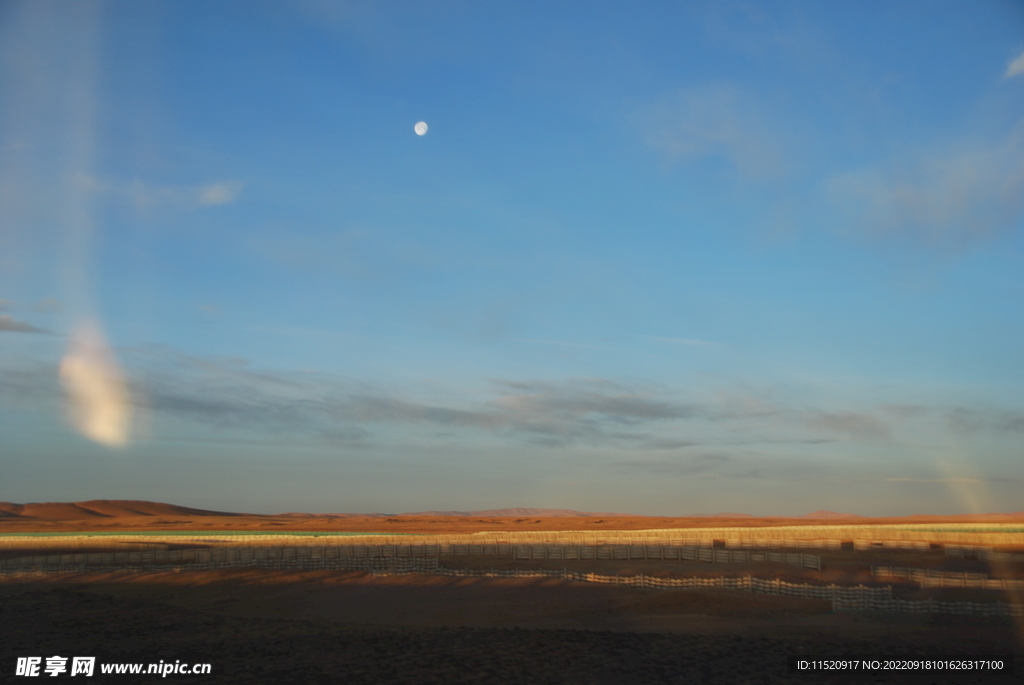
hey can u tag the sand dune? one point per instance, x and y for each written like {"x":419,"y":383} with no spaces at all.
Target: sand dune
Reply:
{"x":519,"y":511}
{"x":821,"y":514}
{"x":109,"y":515}
{"x":100,"y":508}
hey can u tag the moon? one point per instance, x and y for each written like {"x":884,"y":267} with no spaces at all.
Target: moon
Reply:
{"x":420,"y":128}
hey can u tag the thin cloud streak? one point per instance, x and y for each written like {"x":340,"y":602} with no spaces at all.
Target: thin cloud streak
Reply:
{"x":1016,"y":67}
{"x":855,"y":424}
{"x":7,"y":323}
{"x":693,"y":342}
{"x":556,"y":413}
{"x":227,"y":395}
{"x":718,"y":120}
{"x":143,"y":195}
{"x":935,"y":481}
{"x":967,"y":193}
{"x":560,"y":343}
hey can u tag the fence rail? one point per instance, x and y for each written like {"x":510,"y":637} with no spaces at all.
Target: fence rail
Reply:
{"x":983,"y":553}
{"x":671,"y":552}
{"x":927,"y":606}
{"x":828,"y":537}
{"x":301,"y":558}
{"x":521,"y":552}
{"x":844,"y":598}
{"x":930,"y":578}
{"x":482,"y":541}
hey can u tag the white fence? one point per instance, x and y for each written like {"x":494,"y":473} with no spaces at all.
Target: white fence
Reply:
{"x":303,"y":558}
{"x":774,"y":586}
{"x":522,"y":552}
{"x":825,"y":537}
{"x":983,"y":553}
{"x":672,"y":552}
{"x":377,"y":560}
{"x":962,"y":579}
{"x":927,"y":606}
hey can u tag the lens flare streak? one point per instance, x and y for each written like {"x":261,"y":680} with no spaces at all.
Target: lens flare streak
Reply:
{"x":97,"y":395}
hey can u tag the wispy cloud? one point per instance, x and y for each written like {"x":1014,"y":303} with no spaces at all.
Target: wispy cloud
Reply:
{"x":966,"y":193}
{"x":939,"y":481}
{"x":558,"y":343}
{"x":711,"y":465}
{"x":230,"y":396}
{"x":719,"y":120}
{"x":8,"y":323}
{"x":1011,"y":421}
{"x":1016,"y":67}
{"x":352,"y":252}
{"x":290,"y":330}
{"x":965,"y":421}
{"x":143,"y":195}
{"x":856,"y":424}
{"x":30,"y":382}
{"x":693,"y":342}
{"x":698,"y":465}
{"x":48,"y":306}
{"x":555,"y":413}
{"x":222,"y":193}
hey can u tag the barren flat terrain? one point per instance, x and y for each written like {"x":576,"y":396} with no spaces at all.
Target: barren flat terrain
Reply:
{"x":118,"y":515}
{"x":322,"y":627}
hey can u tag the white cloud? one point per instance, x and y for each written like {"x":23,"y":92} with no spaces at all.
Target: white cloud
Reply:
{"x":222,"y":193}
{"x":1016,"y":67}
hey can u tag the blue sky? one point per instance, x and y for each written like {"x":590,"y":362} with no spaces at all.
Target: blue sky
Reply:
{"x":759,"y":257}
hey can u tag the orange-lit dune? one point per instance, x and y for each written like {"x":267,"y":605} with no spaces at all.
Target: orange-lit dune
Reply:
{"x":142,"y":515}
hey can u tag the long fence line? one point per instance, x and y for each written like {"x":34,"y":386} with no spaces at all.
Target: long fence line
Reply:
{"x":927,"y":606}
{"x":929,"y":578}
{"x":227,"y":556}
{"x":645,"y":551}
{"x":206,"y":563}
{"x":844,"y":598}
{"x":983,"y":553}
{"x":778,"y":537}
{"x":822,"y":537}
{"x":304,"y":558}
{"x":516,"y":552}
{"x":139,"y":542}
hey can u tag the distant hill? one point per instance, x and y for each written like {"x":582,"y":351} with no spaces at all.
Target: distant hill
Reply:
{"x":519,"y":511}
{"x":822,"y":514}
{"x":302,"y":515}
{"x":721,"y":515}
{"x":99,"y":508}
{"x":113,"y":509}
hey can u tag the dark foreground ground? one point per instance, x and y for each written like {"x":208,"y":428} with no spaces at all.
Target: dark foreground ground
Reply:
{"x":308,"y":628}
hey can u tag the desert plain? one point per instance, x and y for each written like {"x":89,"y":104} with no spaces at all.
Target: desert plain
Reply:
{"x":313,"y":625}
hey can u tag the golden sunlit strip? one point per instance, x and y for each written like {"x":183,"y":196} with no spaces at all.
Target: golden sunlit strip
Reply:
{"x":98,"y":401}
